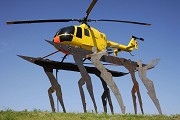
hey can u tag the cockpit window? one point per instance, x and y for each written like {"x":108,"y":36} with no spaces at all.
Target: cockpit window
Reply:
{"x":86,"y":32}
{"x":66,"y":30}
{"x":79,"y":32}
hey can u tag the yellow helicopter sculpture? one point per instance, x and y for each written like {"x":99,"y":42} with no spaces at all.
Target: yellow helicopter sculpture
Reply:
{"x":85,"y":36}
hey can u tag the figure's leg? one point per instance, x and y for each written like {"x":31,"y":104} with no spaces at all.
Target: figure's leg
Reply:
{"x":85,"y":76}
{"x":152,"y":94}
{"x":149,"y":83}
{"x":140,"y":100}
{"x":104,"y":101}
{"x":136,"y":90}
{"x":131,"y":68}
{"x":133,"y":91}
{"x":59,"y":95}
{"x":110,"y":101}
{"x":107,"y":77}
{"x":106,"y":96}
{"x":81,"y":82}
{"x":50,"y":91}
{"x":90,"y":90}
{"x":55,"y":85}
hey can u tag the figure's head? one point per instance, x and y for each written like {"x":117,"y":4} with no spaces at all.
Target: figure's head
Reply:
{"x":94,"y":49}
{"x":139,"y":63}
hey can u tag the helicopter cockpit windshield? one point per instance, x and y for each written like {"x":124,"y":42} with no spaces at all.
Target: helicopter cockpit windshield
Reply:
{"x":65,"y":34}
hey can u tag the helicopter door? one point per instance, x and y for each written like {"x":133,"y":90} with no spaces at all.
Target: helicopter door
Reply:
{"x":79,"y":33}
{"x":87,"y":40}
{"x":78,"y":37}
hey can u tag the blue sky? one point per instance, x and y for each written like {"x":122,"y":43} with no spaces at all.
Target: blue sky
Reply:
{"x":24,"y":85}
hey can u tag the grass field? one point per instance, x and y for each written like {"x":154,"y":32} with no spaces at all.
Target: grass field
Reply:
{"x":41,"y":115}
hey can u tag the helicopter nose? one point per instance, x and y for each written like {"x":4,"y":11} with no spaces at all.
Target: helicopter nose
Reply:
{"x":56,"y":39}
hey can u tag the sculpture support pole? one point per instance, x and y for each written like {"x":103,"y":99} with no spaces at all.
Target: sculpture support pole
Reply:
{"x":107,"y":77}
{"x":142,"y":70}
{"x":55,"y":86}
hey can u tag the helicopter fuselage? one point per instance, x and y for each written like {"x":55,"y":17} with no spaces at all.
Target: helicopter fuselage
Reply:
{"x":81,"y":36}
{"x":87,"y":37}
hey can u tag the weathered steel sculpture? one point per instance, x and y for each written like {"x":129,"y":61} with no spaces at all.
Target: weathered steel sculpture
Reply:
{"x":55,"y":87}
{"x":106,"y":96}
{"x":79,"y":54}
{"x":142,"y":70}
{"x":85,"y":79}
{"x":78,"y":40}
{"x":107,"y":77}
{"x":131,"y":67}
{"x":49,"y":64}
{"x":128,"y":64}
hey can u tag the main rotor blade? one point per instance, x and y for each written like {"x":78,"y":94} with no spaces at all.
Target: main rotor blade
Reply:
{"x":41,"y":21}
{"x":123,"y":21}
{"x":90,"y":8}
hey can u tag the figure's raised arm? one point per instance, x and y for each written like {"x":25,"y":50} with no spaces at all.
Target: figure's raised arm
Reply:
{"x":153,"y":63}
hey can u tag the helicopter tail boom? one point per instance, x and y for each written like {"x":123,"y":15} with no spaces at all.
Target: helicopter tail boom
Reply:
{"x":119,"y":47}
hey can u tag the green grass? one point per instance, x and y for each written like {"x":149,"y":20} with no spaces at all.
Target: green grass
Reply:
{"x":44,"y":115}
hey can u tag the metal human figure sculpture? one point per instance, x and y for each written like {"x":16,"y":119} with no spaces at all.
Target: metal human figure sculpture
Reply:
{"x":128,"y":64}
{"x":107,"y":76}
{"x":131,"y":66}
{"x":49,"y":65}
{"x":55,"y":86}
{"x":78,"y":58}
{"x":106,"y":96}
{"x":142,"y":70}
{"x":78,"y":55}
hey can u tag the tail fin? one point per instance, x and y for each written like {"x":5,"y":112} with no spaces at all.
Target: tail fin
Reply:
{"x":132,"y":44}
